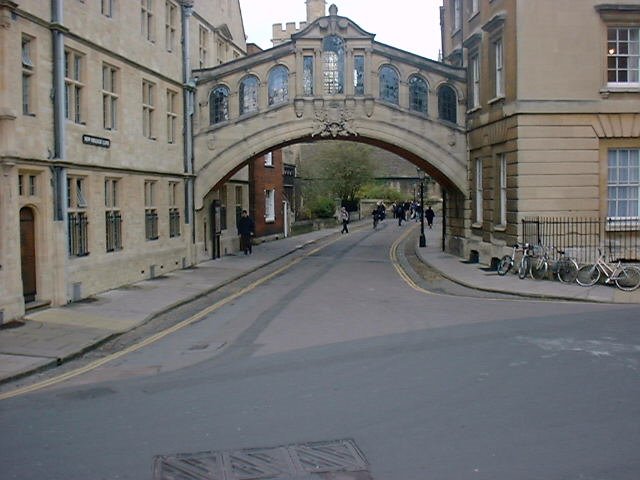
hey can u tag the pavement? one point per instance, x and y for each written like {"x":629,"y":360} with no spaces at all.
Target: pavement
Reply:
{"x":52,"y":336}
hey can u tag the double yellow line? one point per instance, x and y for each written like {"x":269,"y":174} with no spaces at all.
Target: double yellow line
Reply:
{"x":393,"y":256}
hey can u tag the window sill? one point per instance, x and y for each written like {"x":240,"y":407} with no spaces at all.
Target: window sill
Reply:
{"x":474,"y":109}
{"x":609,"y":89}
{"x":269,"y":220}
{"x":500,"y":228}
{"x":616,"y":224}
{"x":496,"y":100}
{"x":476,"y":225}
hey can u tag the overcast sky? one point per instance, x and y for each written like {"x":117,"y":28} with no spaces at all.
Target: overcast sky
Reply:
{"x":412,"y":25}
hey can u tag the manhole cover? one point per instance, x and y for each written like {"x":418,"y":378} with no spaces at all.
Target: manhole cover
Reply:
{"x":335,"y":459}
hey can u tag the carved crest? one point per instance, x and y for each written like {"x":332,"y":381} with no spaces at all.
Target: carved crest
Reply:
{"x":333,"y":122}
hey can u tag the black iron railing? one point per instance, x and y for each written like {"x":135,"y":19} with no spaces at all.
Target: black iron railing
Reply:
{"x":151,"y":224}
{"x":78,"y":234}
{"x":113,"y":222}
{"x":581,"y":238}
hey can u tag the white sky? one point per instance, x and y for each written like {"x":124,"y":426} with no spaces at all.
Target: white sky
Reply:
{"x":411,"y":25}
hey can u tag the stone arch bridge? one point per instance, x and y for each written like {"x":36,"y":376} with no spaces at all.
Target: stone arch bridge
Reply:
{"x":332,"y":80}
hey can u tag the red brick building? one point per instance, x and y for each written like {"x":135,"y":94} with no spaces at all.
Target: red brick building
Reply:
{"x":266,"y":194}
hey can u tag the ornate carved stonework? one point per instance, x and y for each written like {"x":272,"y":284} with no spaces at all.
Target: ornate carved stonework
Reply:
{"x":333,"y":122}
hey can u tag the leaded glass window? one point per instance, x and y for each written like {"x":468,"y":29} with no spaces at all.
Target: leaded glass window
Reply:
{"x":358,"y":74}
{"x":418,"y":94}
{"x":307,"y":75}
{"x":278,"y":85}
{"x":333,"y":65}
{"x":447,"y":104}
{"x":249,"y":95}
{"x":219,"y":105}
{"x":389,"y":85}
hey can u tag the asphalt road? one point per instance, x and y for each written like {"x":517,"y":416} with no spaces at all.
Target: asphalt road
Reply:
{"x":429,"y":386}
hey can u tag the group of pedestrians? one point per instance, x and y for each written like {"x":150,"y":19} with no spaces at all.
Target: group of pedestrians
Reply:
{"x":405,"y":211}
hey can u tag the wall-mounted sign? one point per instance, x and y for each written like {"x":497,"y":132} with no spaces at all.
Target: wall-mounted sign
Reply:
{"x":96,"y":141}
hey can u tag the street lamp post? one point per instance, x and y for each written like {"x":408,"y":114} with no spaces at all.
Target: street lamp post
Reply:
{"x":423,"y":239}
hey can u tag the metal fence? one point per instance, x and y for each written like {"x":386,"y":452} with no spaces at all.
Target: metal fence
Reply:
{"x":581,"y":238}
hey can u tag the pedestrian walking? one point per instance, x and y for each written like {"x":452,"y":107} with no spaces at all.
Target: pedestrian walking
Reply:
{"x":400,"y":214}
{"x":344,"y":216}
{"x":246,"y":229}
{"x":429,"y":214}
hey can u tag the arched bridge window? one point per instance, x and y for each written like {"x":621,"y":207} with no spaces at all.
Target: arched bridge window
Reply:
{"x":219,"y":105}
{"x":249,"y":94}
{"x":447,"y":104}
{"x":418,"y":94}
{"x":333,"y":65}
{"x":278,"y":85}
{"x":389,"y":85}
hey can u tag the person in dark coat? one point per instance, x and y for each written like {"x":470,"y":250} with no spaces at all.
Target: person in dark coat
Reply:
{"x":429,"y":214}
{"x":400,"y":214}
{"x":246,"y":229}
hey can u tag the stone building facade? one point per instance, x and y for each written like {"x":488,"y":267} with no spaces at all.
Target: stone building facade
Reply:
{"x":96,"y":157}
{"x":552,"y":112}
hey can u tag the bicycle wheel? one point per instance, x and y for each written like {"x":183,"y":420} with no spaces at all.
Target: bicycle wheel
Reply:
{"x":525,"y":267}
{"x":504,"y":265}
{"x":539,"y":267}
{"x":628,"y":279}
{"x":567,"y":270}
{"x":588,"y":275}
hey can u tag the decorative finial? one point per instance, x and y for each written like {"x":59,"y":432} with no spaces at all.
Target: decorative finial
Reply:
{"x":333,"y":10}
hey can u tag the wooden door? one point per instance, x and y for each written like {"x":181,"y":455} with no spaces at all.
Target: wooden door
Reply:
{"x":28,"y":253}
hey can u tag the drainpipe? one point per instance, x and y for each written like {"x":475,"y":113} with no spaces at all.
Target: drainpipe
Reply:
{"x":188,"y":109}
{"x":59,"y":173}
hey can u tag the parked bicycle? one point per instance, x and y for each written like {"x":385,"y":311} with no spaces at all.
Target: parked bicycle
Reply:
{"x":626,"y":277}
{"x":507,"y":262}
{"x":565,"y":268}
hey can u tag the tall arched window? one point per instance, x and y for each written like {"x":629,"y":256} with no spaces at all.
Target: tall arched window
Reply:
{"x":447,"y":104}
{"x":418,"y":94}
{"x":249,"y":95}
{"x":389,"y":85}
{"x":219,"y":105}
{"x":333,"y":65}
{"x":278,"y":85}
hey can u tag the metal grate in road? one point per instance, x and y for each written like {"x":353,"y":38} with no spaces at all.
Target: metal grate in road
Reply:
{"x":308,"y":461}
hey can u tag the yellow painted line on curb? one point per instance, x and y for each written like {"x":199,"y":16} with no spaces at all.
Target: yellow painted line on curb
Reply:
{"x":160,"y":335}
{"x":393,"y":256}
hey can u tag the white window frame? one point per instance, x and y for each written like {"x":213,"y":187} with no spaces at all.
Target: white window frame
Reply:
{"x":474,"y":7}
{"x":270,"y":205}
{"x":457,"y":15}
{"x":268,"y":159}
{"x":631,"y":56}
{"x":623,"y":179}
